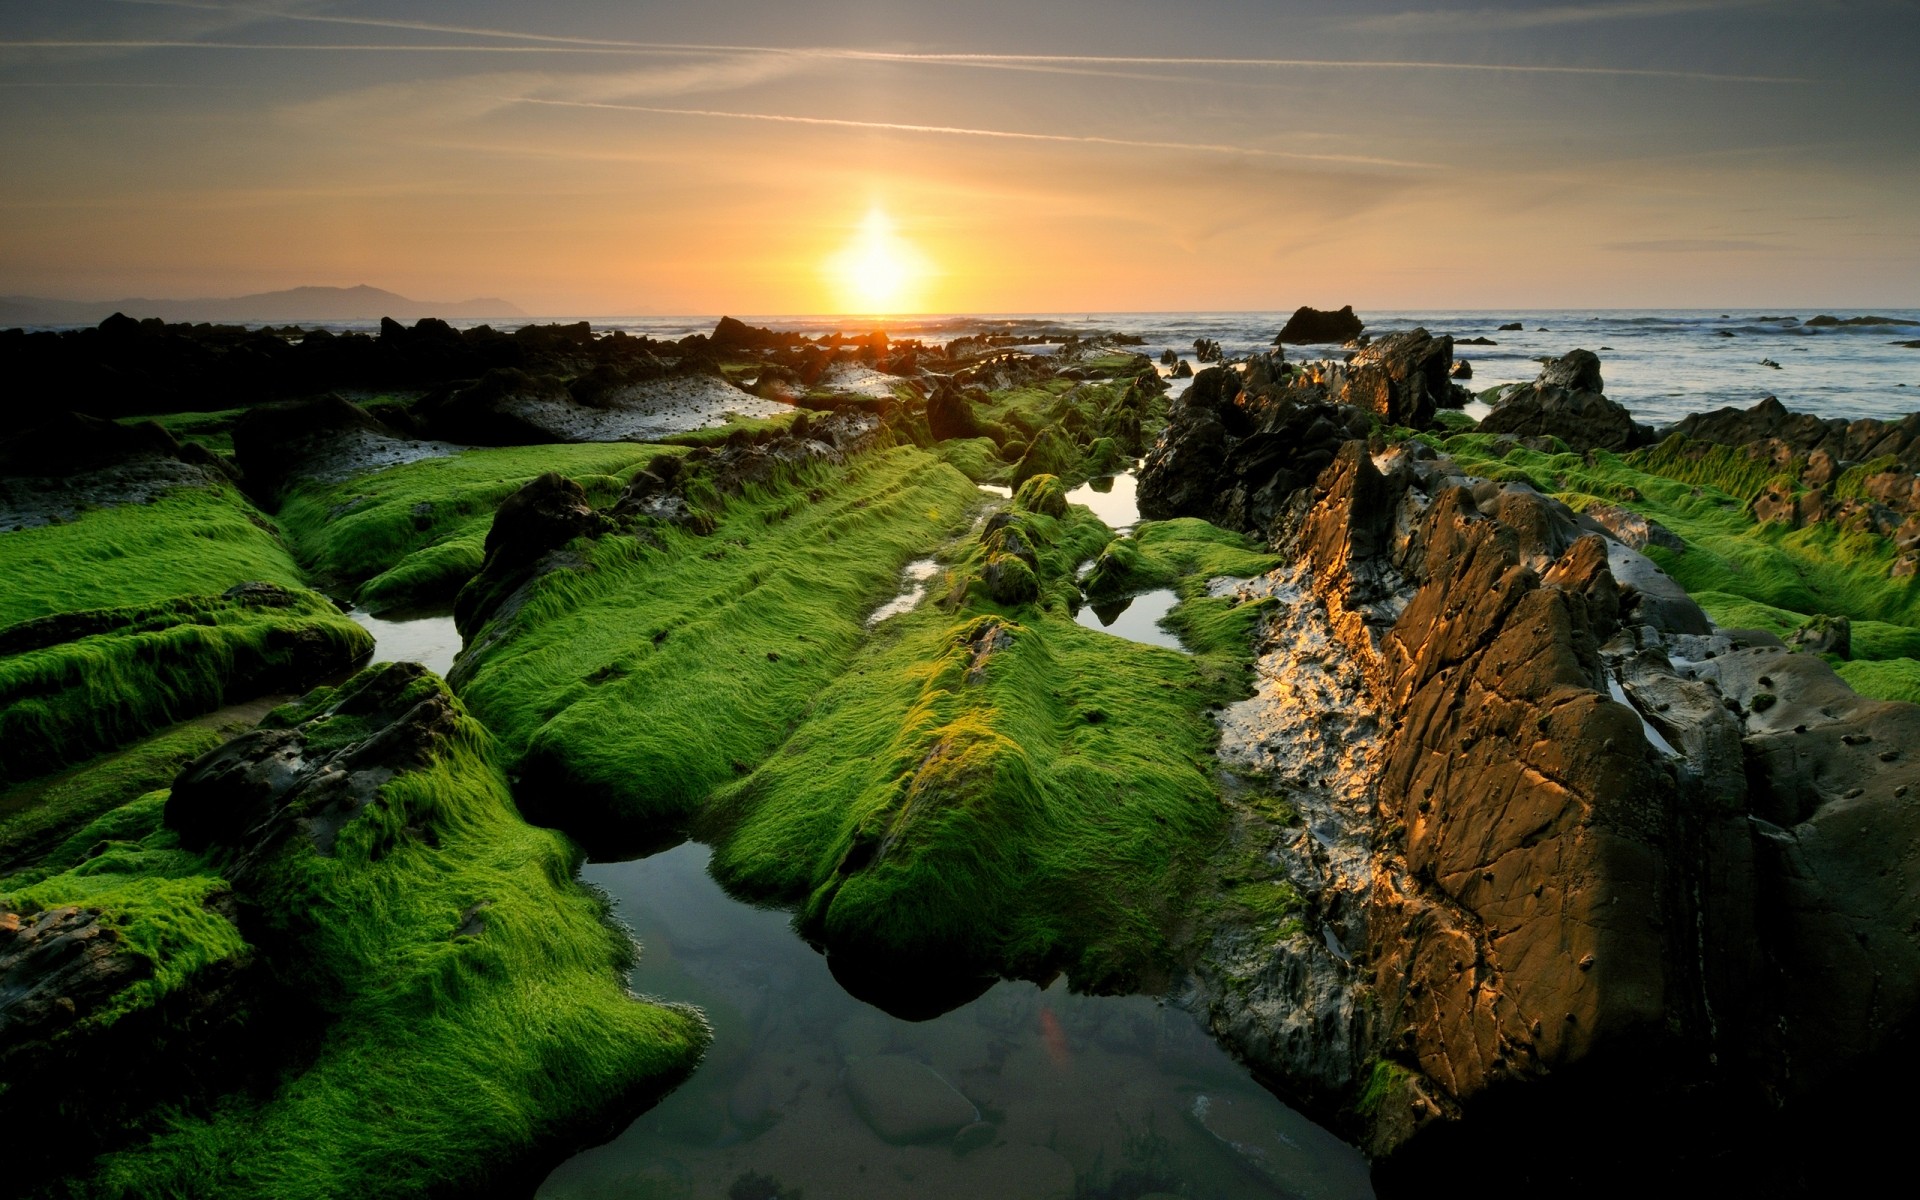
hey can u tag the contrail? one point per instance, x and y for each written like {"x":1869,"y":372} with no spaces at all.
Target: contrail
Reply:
{"x":967,"y":131}
{"x":1033,"y":61}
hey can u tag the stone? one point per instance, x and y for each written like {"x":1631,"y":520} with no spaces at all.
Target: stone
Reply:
{"x":1566,"y":402}
{"x":903,"y":1101}
{"x":1312,"y":326}
{"x":1823,"y":634}
{"x":1402,"y":378}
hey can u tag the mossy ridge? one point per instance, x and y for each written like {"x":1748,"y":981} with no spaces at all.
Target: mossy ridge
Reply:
{"x":469,"y":995}
{"x":35,"y":815}
{"x":1742,"y":572}
{"x":994,"y":787}
{"x":756,"y":428}
{"x":214,"y":430}
{"x":63,"y":702}
{"x":190,"y":541}
{"x":414,"y":533}
{"x":618,"y":688}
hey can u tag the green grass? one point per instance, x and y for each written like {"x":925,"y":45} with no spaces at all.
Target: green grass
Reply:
{"x":190,"y":541}
{"x":39,"y":812}
{"x":214,"y":430}
{"x":137,"y":669}
{"x":413,"y":534}
{"x":626,"y":691}
{"x":440,"y":1057}
{"x":1743,"y":573}
{"x":754,"y":427}
{"x":1045,"y":805}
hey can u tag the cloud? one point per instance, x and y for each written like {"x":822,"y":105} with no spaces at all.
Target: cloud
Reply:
{"x":1005,"y":134}
{"x":1483,"y":19}
{"x":1690,"y":246}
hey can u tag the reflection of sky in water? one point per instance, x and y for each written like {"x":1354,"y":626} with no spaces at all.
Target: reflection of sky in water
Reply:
{"x":1102,"y":1091}
{"x":427,"y":638}
{"x":1136,"y":618}
{"x":1113,"y":498}
{"x":913,"y":586}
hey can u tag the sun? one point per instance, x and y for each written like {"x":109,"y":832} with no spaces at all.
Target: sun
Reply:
{"x":878,"y":272}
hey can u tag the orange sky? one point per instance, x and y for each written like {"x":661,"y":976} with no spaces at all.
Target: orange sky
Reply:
{"x":582,"y":159}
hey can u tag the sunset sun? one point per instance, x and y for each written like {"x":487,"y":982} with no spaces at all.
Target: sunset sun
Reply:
{"x":877,"y":271}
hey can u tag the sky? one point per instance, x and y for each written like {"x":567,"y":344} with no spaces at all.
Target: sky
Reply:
{"x":760,"y":156}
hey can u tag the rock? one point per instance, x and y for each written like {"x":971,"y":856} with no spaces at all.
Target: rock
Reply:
{"x":1566,"y":402}
{"x":1312,"y":326}
{"x":1009,"y":580}
{"x":323,"y":438}
{"x":1401,"y":379}
{"x":273,"y":783}
{"x":544,"y":515}
{"x":1631,"y":528}
{"x":950,"y":414}
{"x":1823,"y":634}
{"x":1825,"y":321}
{"x":1802,"y":434}
{"x":1184,"y":370}
{"x":903,"y":1101}
{"x":1461,"y":369}
{"x":58,"y":967}
{"x":976,"y":1136}
{"x":1511,"y":327}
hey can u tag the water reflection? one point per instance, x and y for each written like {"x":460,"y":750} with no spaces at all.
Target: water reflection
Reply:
{"x":1136,"y":618}
{"x":1113,"y":498}
{"x":425,"y":636}
{"x":1022,"y":1092}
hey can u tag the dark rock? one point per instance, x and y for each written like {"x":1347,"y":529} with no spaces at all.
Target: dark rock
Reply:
{"x":1184,"y":370}
{"x":1461,"y":369}
{"x":1401,"y":378}
{"x":1825,"y":321}
{"x":541,"y":517}
{"x":58,"y":967}
{"x":1512,"y":327}
{"x":497,"y":410}
{"x":277,"y":443}
{"x":1803,"y":433}
{"x":309,"y":780}
{"x":950,"y":414}
{"x":1312,"y":326}
{"x":1823,"y":634}
{"x":1566,"y":402}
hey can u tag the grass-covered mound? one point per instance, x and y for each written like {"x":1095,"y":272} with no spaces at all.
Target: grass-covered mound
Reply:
{"x":191,"y":541}
{"x":993,"y":787}
{"x":669,"y":662}
{"x":413,"y":534}
{"x":424,"y":996}
{"x":132,"y":617}
{"x":1745,"y":573}
{"x":77,"y":684}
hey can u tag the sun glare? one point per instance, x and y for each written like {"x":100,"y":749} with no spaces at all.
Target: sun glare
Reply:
{"x":878,"y":271}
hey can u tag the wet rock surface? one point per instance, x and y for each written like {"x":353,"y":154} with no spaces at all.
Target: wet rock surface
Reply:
{"x":1563,"y":855}
{"x":1567,"y":402}
{"x":70,"y":462}
{"x":321,"y":439}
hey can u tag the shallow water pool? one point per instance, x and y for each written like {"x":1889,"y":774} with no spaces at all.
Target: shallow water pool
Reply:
{"x":1136,"y":618}
{"x":425,"y":636}
{"x":1023,"y":1092}
{"x":1114,"y":499}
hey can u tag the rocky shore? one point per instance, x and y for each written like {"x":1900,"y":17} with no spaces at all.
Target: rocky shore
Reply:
{"x":1519,"y":790}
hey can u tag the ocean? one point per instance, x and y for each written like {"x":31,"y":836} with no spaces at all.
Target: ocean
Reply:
{"x":1660,"y":364}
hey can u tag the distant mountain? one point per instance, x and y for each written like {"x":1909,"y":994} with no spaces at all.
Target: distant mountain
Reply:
{"x":301,"y":305}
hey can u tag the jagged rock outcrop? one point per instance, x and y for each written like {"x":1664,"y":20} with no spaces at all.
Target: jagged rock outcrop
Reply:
{"x":1584,"y":862}
{"x":1806,"y":435}
{"x":1402,"y":378}
{"x":1235,"y":458}
{"x":66,"y":462}
{"x":541,"y":517}
{"x":1567,"y":402}
{"x":1313,"y":326}
{"x":320,"y":438}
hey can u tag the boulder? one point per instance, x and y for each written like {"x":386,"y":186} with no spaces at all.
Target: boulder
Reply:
{"x":904,"y":1101}
{"x":1823,"y":634}
{"x":1566,"y":402}
{"x":1402,"y":378}
{"x":950,"y":414}
{"x":1313,"y":326}
{"x":544,"y":515}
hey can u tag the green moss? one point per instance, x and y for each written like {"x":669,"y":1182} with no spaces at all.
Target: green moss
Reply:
{"x":190,"y":541}
{"x":999,"y":787}
{"x":1160,"y":553}
{"x":619,"y":688}
{"x":1743,"y":573}
{"x":976,"y":458}
{"x":467,"y":992}
{"x":36,"y":814}
{"x":1889,"y":679}
{"x":1050,"y":453}
{"x":413,"y":534}
{"x":1383,"y":1080}
{"x":753,"y":427}
{"x":214,"y":430}
{"x":134,"y":670}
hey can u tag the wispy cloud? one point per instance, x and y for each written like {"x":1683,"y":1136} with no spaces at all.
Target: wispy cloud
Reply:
{"x":1079,"y":64}
{"x":1005,"y":134}
{"x":1480,"y":19}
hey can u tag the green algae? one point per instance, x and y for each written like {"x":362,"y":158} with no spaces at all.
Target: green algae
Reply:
{"x":413,"y":534}
{"x":190,"y":541}
{"x":993,"y":787}
{"x":40,"y":812}
{"x":621,"y":689}
{"x":465,"y":994}
{"x":129,"y":671}
{"x":1744,"y":573}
